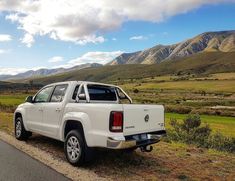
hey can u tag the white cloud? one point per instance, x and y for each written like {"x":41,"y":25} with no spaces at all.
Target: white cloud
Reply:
{"x":86,"y":21}
{"x":14,"y":71}
{"x":5,"y":37}
{"x":92,"y":57}
{"x":55,"y":59}
{"x":28,"y":40}
{"x":89,"y":57}
{"x":114,"y":39}
{"x":3,"y":51}
{"x":138,"y":38}
{"x":11,"y":71}
{"x":12,"y":17}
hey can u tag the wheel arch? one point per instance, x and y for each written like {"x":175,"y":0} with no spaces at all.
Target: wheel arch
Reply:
{"x":73,"y":125}
{"x":20,"y":112}
{"x":79,"y":121}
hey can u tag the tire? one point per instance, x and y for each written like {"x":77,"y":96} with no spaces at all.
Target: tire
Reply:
{"x":76,"y":150}
{"x":20,"y":132}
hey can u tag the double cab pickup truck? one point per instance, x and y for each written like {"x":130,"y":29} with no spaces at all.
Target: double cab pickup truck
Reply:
{"x":89,"y":115}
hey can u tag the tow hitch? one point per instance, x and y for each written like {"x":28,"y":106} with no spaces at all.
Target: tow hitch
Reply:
{"x":146,"y":148}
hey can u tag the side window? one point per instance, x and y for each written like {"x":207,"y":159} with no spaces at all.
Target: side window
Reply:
{"x":58,"y":94}
{"x":43,"y":95}
{"x":122,"y":97}
{"x":75,"y":92}
{"x":120,"y":94}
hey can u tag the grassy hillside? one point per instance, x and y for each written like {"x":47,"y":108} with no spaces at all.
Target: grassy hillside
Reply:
{"x":16,"y":87}
{"x":202,"y":63}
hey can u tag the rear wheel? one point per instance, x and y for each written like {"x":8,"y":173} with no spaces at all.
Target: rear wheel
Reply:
{"x":20,"y":132}
{"x":75,"y":148}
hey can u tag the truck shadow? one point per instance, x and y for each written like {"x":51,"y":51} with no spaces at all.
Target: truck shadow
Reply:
{"x":107,"y":163}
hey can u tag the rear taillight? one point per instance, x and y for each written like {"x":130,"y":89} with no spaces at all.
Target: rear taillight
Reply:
{"x":116,"y":121}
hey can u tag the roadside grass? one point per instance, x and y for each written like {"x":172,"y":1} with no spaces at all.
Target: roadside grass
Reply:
{"x":167,"y":161}
{"x":221,"y":124}
{"x":6,"y":122}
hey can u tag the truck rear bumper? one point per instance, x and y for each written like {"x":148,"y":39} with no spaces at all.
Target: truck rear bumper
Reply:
{"x":123,"y":142}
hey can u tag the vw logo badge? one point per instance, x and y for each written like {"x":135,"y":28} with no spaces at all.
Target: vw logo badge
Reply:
{"x":146,"y":118}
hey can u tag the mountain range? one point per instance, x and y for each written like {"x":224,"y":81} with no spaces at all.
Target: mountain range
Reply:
{"x":223,"y":41}
{"x":46,"y":72}
{"x":210,"y":44}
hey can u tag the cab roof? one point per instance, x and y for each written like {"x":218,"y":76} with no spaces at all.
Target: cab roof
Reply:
{"x":81,"y":82}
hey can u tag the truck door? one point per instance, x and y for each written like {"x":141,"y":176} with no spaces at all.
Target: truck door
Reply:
{"x":34,"y":111}
{"x":53,"y":111}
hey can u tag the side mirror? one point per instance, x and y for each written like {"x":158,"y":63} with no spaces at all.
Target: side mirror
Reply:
{"x":82,"y":96}
{"x":29,"y":99}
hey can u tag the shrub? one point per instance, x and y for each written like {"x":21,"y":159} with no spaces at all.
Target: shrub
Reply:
{"x":178,"y":109}
{"x":221,"y":142}
{"x":136,"y":91}
{"x":190,"y":131}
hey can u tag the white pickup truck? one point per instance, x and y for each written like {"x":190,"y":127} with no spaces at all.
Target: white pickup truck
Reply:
{"x":88,"y":115}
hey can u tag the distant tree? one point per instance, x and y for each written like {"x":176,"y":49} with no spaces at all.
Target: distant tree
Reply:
{"x":179,"y":73}
{"x":203,"y":93}
{"x":31,"y":83}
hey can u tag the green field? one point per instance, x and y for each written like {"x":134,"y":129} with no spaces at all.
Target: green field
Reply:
{"x":192,"y":85}
{"x":14,"y":99}
{"x":224,"y":125}
{"x":194,"y":94}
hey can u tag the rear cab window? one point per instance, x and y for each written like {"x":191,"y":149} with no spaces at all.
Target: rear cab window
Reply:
{"x":101,"y":93}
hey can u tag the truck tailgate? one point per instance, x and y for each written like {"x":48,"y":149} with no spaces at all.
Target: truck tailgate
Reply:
{"x":142,"y":118}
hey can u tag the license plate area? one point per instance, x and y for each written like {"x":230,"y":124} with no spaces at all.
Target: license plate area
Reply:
{"x":140,"y":137}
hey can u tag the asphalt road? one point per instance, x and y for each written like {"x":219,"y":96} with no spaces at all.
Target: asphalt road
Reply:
{"x":16,"y":166}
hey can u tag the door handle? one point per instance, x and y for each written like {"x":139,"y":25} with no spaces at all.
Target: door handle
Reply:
{"x":40,"y":109}
{"x":58,"y":110}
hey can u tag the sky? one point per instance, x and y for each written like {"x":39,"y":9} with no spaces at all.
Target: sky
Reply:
{"x":38,"y":34}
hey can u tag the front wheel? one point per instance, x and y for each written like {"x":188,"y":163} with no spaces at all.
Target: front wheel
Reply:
{"x":20,"y":132}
